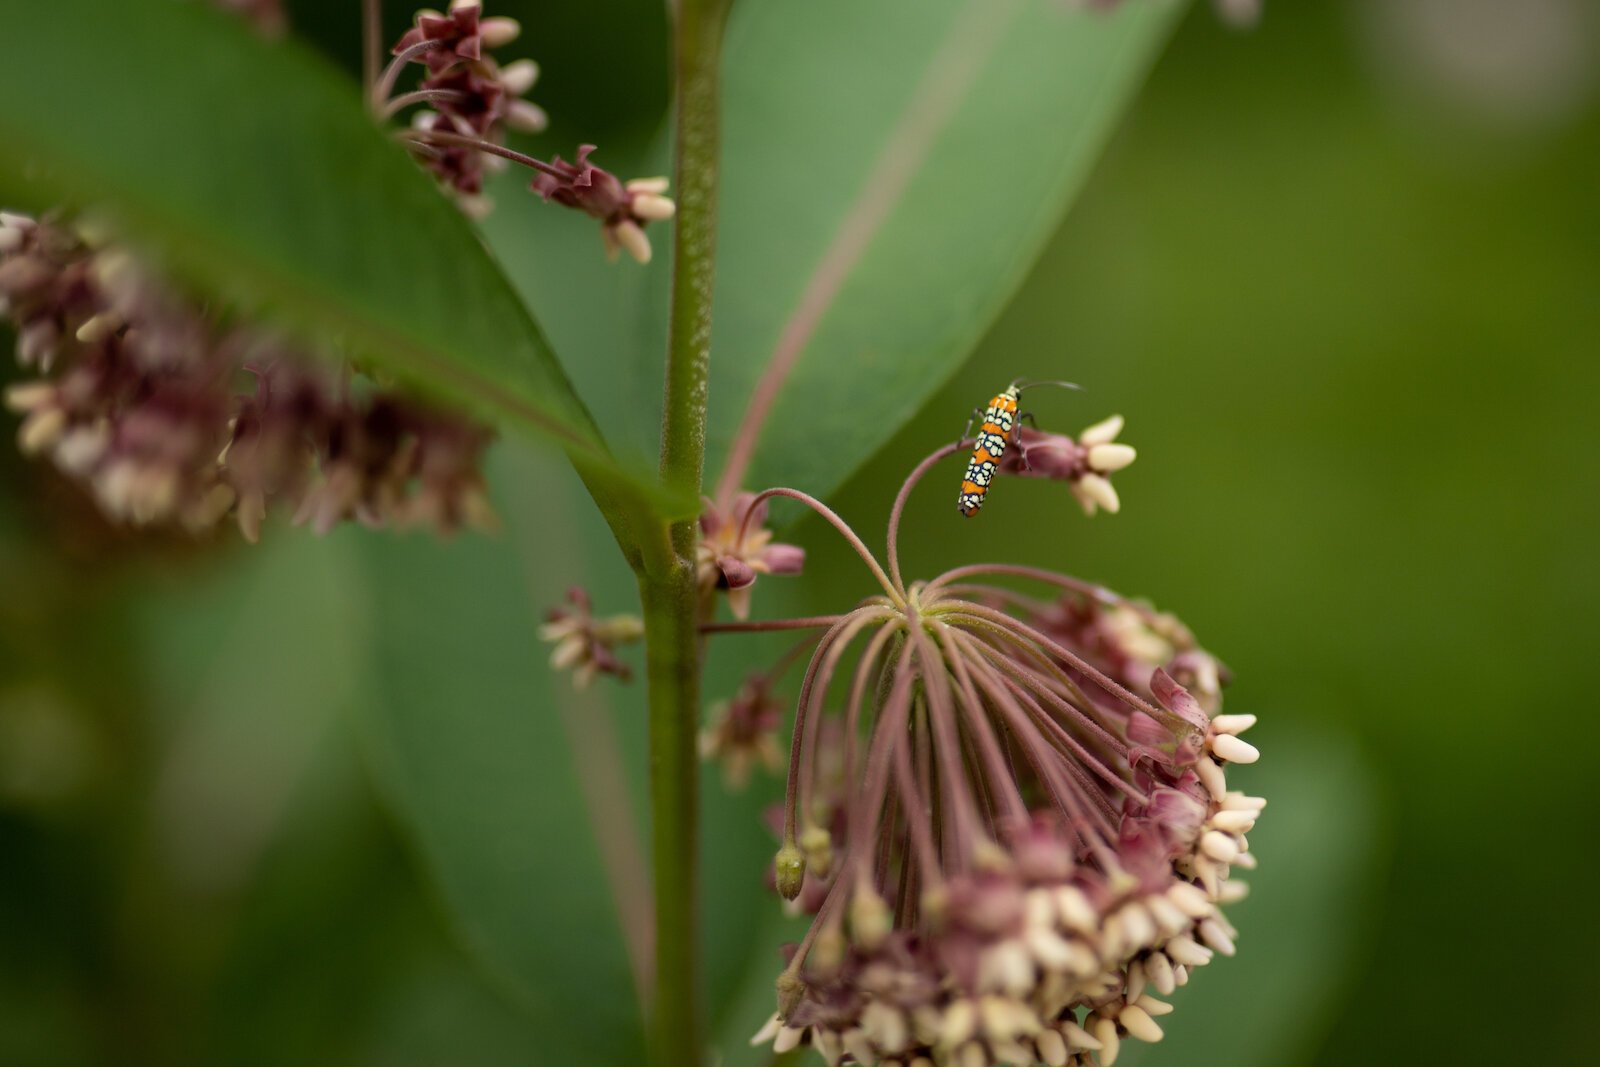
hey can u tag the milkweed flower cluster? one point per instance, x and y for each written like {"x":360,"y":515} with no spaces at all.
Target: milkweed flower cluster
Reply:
{"x":1010,"y":821}
{"x":172,"y":413}
{"x":466,"y":104}
{"x":744,"y":731}
{"x":469,"y":100}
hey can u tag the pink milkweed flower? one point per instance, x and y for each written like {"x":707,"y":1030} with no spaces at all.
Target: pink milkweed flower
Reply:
{"x":744,"y":731}
{"x":736,"y":546}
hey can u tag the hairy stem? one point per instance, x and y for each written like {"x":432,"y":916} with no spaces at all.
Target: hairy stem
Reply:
{"x":668,"y":585}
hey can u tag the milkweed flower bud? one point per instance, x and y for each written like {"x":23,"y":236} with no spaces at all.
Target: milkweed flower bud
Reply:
{"x":790,"y":867}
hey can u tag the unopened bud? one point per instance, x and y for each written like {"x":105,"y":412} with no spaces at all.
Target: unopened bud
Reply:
{"x":827,"y":952}
{"x":499,"y":31}
{"x":818,"y":846}
{"x":517,"y":78}
{"x":870,"y":920}
{"x":789,"y":870}
{"x":790,"y":989}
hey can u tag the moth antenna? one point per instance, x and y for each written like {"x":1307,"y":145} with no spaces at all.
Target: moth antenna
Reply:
{"x":1020,"y":385}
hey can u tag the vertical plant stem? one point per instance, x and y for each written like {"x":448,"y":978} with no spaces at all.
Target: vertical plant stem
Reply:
{"x":668,"y":587}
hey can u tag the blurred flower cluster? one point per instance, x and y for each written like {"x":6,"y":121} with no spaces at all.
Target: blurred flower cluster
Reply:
{"x":267,"y":16}
{"x":170,"y":411}
{"x":585,"y":644}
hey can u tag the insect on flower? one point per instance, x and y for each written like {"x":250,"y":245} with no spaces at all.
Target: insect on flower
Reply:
{"x":999,"y":421}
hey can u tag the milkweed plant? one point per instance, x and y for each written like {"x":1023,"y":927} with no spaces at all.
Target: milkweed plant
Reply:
{"x":1008,"y":812}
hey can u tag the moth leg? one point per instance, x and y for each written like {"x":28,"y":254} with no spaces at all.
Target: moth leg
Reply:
{"x":966,"y":433}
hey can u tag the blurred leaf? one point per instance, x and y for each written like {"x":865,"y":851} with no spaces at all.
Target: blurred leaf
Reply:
{"x":255,"y":169}
{"x":497,"y":768}
{"x":472,"y":739}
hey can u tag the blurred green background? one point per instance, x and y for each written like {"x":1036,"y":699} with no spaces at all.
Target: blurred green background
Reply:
{"x":1341,"y":274}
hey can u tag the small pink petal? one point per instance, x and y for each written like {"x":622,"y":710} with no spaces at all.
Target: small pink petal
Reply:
{"x":1176,"y":698}
{"x":736,"y":573}
{"x":784,"y":559}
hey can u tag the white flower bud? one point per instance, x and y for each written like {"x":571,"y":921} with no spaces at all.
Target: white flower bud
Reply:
{"x":499,"y":31}
{"x":1109,"y":458}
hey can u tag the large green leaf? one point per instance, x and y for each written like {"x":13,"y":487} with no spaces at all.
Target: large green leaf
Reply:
{"x":945,"y":138}
{"x":254,"y":169}
{"x":891,"y":171}
{"x":472,"y":739}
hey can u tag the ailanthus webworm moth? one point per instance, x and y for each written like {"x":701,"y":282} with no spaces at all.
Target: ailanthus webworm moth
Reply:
{"x":994,"y":436}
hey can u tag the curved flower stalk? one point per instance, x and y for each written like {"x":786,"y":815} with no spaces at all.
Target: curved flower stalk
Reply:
{"x":1011,"y":823}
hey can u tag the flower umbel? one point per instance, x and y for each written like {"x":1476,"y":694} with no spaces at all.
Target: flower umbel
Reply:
{"x":470,"y":99}
{"x":1035,"y":835}
{"x":744,"y":731}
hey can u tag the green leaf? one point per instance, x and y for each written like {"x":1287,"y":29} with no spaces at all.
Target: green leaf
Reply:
{"x":254,"y":169}
{"x":486,"y":756}
{"x":893,"y":170}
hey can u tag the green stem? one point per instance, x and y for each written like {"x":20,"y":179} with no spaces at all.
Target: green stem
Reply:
{"x":697,"y":40}
{"x":668,"y":588}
